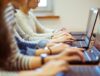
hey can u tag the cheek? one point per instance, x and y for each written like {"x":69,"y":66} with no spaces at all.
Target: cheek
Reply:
{"x":33,"y":5}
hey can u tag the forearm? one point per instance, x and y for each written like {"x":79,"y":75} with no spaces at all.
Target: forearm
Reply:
{"x":23,"y":62}
{"x":8,"y":73}
{"x":22,"y":73}
{"x":42,"y":51}
{"x":53,"y":49}
{"x":42,"y":34}
{"x":35,"y":62}
{"x":27,"y":62}
{"x":44,"y":30}
{"x":23,"y":44}
{"x":31,"y":73}
{"x":49,"y":58}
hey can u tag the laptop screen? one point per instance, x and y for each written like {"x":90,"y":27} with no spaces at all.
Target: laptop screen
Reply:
{"x":97,"y":40}
{"x":91,"y":22}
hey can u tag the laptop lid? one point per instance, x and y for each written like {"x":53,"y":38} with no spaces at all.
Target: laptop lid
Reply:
{"x":97,"y":40}
{"x":91,"y":21}
{"x":93,"y":14}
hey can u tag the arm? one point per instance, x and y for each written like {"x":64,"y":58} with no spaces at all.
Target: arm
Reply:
{"x":29,"y":31}
{"x":21,"y":32}
{"x":40,"y":28}
{"x":8,"y":73}
{"x":45,"y":70}
{"x":17,"y":61}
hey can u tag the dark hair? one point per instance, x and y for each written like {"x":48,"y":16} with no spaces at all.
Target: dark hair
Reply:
{"x":5,"y":48}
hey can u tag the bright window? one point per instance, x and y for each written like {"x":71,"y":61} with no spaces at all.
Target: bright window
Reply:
{"x":45,"y":5}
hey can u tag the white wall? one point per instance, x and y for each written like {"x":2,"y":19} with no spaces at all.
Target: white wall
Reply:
{"x":73,"y":14}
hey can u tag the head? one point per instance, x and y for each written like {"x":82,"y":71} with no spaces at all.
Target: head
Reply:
{"x":32,"y":3}
{"x":16,"y":3}
{"x":28,"y":4}
{"x":4,"y":35}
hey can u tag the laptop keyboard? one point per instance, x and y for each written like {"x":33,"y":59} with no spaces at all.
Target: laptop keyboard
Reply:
{"x":79,"y":37}
{"x":90,"y":56}
{"x":85,"y":70}
{"x":95,"y":51}
{"x":76,"y":43}
{"x":90,"y":59}
{"x":79,"y":44}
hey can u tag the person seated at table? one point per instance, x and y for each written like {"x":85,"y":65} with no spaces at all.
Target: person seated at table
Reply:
{"x":31,"y":26}
{"x":9,"y":52}
{"x":26,"y":45}
{"x":45,"y":70}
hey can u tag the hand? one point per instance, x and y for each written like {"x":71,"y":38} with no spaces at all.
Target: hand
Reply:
{"x":71,"y":54}
{"x":58,"y":47}
{"x":58,"y":34}
{"x":62,"y":29}
{"x":63,"y":38}
{"x":49,"y":69}
{"x":49,"y":44}
{"x":53,"y":67}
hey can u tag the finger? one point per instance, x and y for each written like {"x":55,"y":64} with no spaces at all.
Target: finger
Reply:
{"x":64,"y":68}
{"x":68,"y":40}
{"x":81,"y":49}
{"x":74,"y":58}
{"x":77,"y":53}
{"x":61,"y":63}
{"x":76,"y":48}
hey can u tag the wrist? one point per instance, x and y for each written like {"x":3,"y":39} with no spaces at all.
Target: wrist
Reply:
{"x":43,"y":56}
{"x":47,"y":50}
{"x":49,"y":58}
{"x":39,"y":52}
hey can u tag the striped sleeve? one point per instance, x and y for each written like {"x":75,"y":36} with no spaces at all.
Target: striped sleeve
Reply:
{"x":16,"y":61}
{"x":19,"y":62}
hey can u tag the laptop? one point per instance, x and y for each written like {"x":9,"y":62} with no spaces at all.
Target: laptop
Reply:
{"x":79,"y":36}
{"x":82,"y":44}
{"x":92,"y":56}
{"x":84,"y":41}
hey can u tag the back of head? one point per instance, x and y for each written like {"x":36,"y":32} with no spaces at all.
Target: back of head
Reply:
{"x":18,"y":3}
{"x":4,"y":37}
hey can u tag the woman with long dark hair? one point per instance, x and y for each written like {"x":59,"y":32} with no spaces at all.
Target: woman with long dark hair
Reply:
{"x":6,"y":52}
{"x":12,"y":60}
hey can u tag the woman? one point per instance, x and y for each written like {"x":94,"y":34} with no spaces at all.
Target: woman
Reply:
{"x":6,"y":53}
{"x":29,"y":47}
{"x":31,"y":26}
{"x":9,"y":51}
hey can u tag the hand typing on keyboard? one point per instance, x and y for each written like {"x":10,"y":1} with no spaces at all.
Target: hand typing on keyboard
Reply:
{"x":72,"y":54}
{"x":90,"y":59}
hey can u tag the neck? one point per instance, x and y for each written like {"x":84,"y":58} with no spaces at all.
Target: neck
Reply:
{"x":24,"y":10}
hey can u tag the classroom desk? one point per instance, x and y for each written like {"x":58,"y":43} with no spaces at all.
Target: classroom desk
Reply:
{"x":82,"y":70}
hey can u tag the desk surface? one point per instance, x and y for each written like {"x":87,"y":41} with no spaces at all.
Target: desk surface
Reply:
{"x":82,"y":71}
